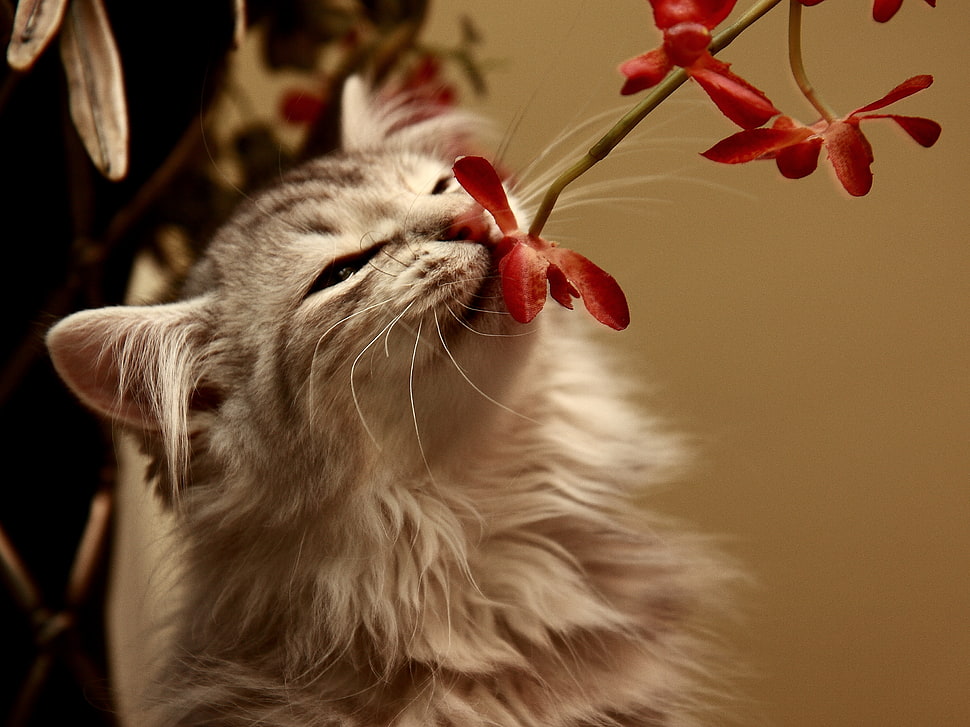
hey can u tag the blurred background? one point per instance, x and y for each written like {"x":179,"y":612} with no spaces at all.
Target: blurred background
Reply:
{"x":818,"y":346}
{"x":813,"y":345}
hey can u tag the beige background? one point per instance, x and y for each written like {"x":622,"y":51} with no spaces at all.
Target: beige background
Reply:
{"x":816,"y":344}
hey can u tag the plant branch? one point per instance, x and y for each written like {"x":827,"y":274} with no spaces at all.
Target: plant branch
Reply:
{"x":674,"y":80}
{"x":798,"y":67}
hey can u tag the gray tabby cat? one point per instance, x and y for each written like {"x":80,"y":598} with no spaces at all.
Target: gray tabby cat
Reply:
{"x":395,"y":504}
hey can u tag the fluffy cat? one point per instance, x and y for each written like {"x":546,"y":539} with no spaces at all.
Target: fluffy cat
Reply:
{"x":395,"y":505}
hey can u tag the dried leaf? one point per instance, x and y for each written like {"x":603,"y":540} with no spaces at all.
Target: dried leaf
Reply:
{"x":34,"y":25}
{"x":96,"y":86}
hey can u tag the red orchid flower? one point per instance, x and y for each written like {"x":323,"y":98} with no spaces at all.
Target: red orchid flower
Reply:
{"x":882,"y":10}
{"x":686,"y":26}
{"x":301,"y":107}
{"x":526,"y":262}
{"x":795,"y":147}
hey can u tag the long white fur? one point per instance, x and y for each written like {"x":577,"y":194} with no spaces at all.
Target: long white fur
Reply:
{"x":395,"y":510}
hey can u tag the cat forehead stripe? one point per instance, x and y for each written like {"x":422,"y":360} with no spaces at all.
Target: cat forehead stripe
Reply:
{"x":345,"y":173}
{"x":310,"y":214}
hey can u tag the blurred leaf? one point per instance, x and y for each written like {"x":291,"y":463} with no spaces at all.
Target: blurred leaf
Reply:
{"x":470,"y":34}
{"x":261,"y":155}
{"x":386,"y":13}
{"x":297,"y":31}
{"x":472,"y":72}
{"x":96,"y":86}
{"x":34,"y":25}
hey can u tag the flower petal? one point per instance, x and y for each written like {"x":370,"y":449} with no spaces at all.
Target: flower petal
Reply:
{"x":686,"y":42}
{"x":737,"y":99}
{"x":523,"y":272}
{"x":601,"y":294}
{"x":645,"y":71}
{"x":300,"y":107}
{"x":751,"y":144}
{"x":904,"y":89}
{"x":667,"y":13}
{"x":561,"y":290}
{"x":883,"y":10}
{"x":851,"y":156}
{"x":924,"y":131}
{"x":799,"y":160}
{"x":481,"y":181}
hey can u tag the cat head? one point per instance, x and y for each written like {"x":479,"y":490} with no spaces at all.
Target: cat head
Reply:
{"x":350,"y":311}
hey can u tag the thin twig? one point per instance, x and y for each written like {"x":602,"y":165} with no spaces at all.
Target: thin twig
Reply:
{"x":798,"y":65}
{"x":32,"y":685}
{"x":91,"y":548}
{"x":17,"y":576}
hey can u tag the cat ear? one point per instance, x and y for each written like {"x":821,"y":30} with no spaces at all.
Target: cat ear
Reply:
{"x":358,"y":125}
{"x":136,"y":365}
{"x":402,"y":119}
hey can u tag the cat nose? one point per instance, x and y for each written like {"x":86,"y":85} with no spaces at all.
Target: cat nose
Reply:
{"x":471,"y":226}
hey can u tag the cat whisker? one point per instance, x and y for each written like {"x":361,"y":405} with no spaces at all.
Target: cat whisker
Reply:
{"x":370,"y":240}
{"x":390,"y":256}
{"x":323,"y":336}
{"x":414,"y":411}
{"x":396,"y":321}
{"x":466,"y":280}
{"x":356,"y":313}
{"x":592,"y":128}
{"x":353,"y":369}
{"x":476,"y":387}
{"x":220,"y":170}
{"x":461,"y":320}
{"x":530,"y":186}
{"x":544,"y":178}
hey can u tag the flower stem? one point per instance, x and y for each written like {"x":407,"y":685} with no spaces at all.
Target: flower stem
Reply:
{"x":604,"y":146}
{"x":674,"y":80}
{"x":798,"y":67}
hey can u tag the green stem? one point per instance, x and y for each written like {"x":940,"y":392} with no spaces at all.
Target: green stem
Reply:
{"x":798,"y":67}
{"x":674,"y":80}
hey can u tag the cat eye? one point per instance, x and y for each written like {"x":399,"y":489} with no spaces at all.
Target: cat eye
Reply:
{"x":445,"y":184}
{"x":341,"y":270}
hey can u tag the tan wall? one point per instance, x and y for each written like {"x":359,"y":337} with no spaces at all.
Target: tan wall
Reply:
{"x":816,"y":344}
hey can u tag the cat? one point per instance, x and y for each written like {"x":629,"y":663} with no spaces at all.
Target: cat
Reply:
{"x":394,"y":504}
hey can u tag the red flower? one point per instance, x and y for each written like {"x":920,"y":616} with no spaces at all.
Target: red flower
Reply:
{"x":795,"y":147}
{"x":686,"y":26}
{"x":301,"y":107}
{"x":425,"y":82}
{"x":526,"y":262}
{"x":882,"y":10}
